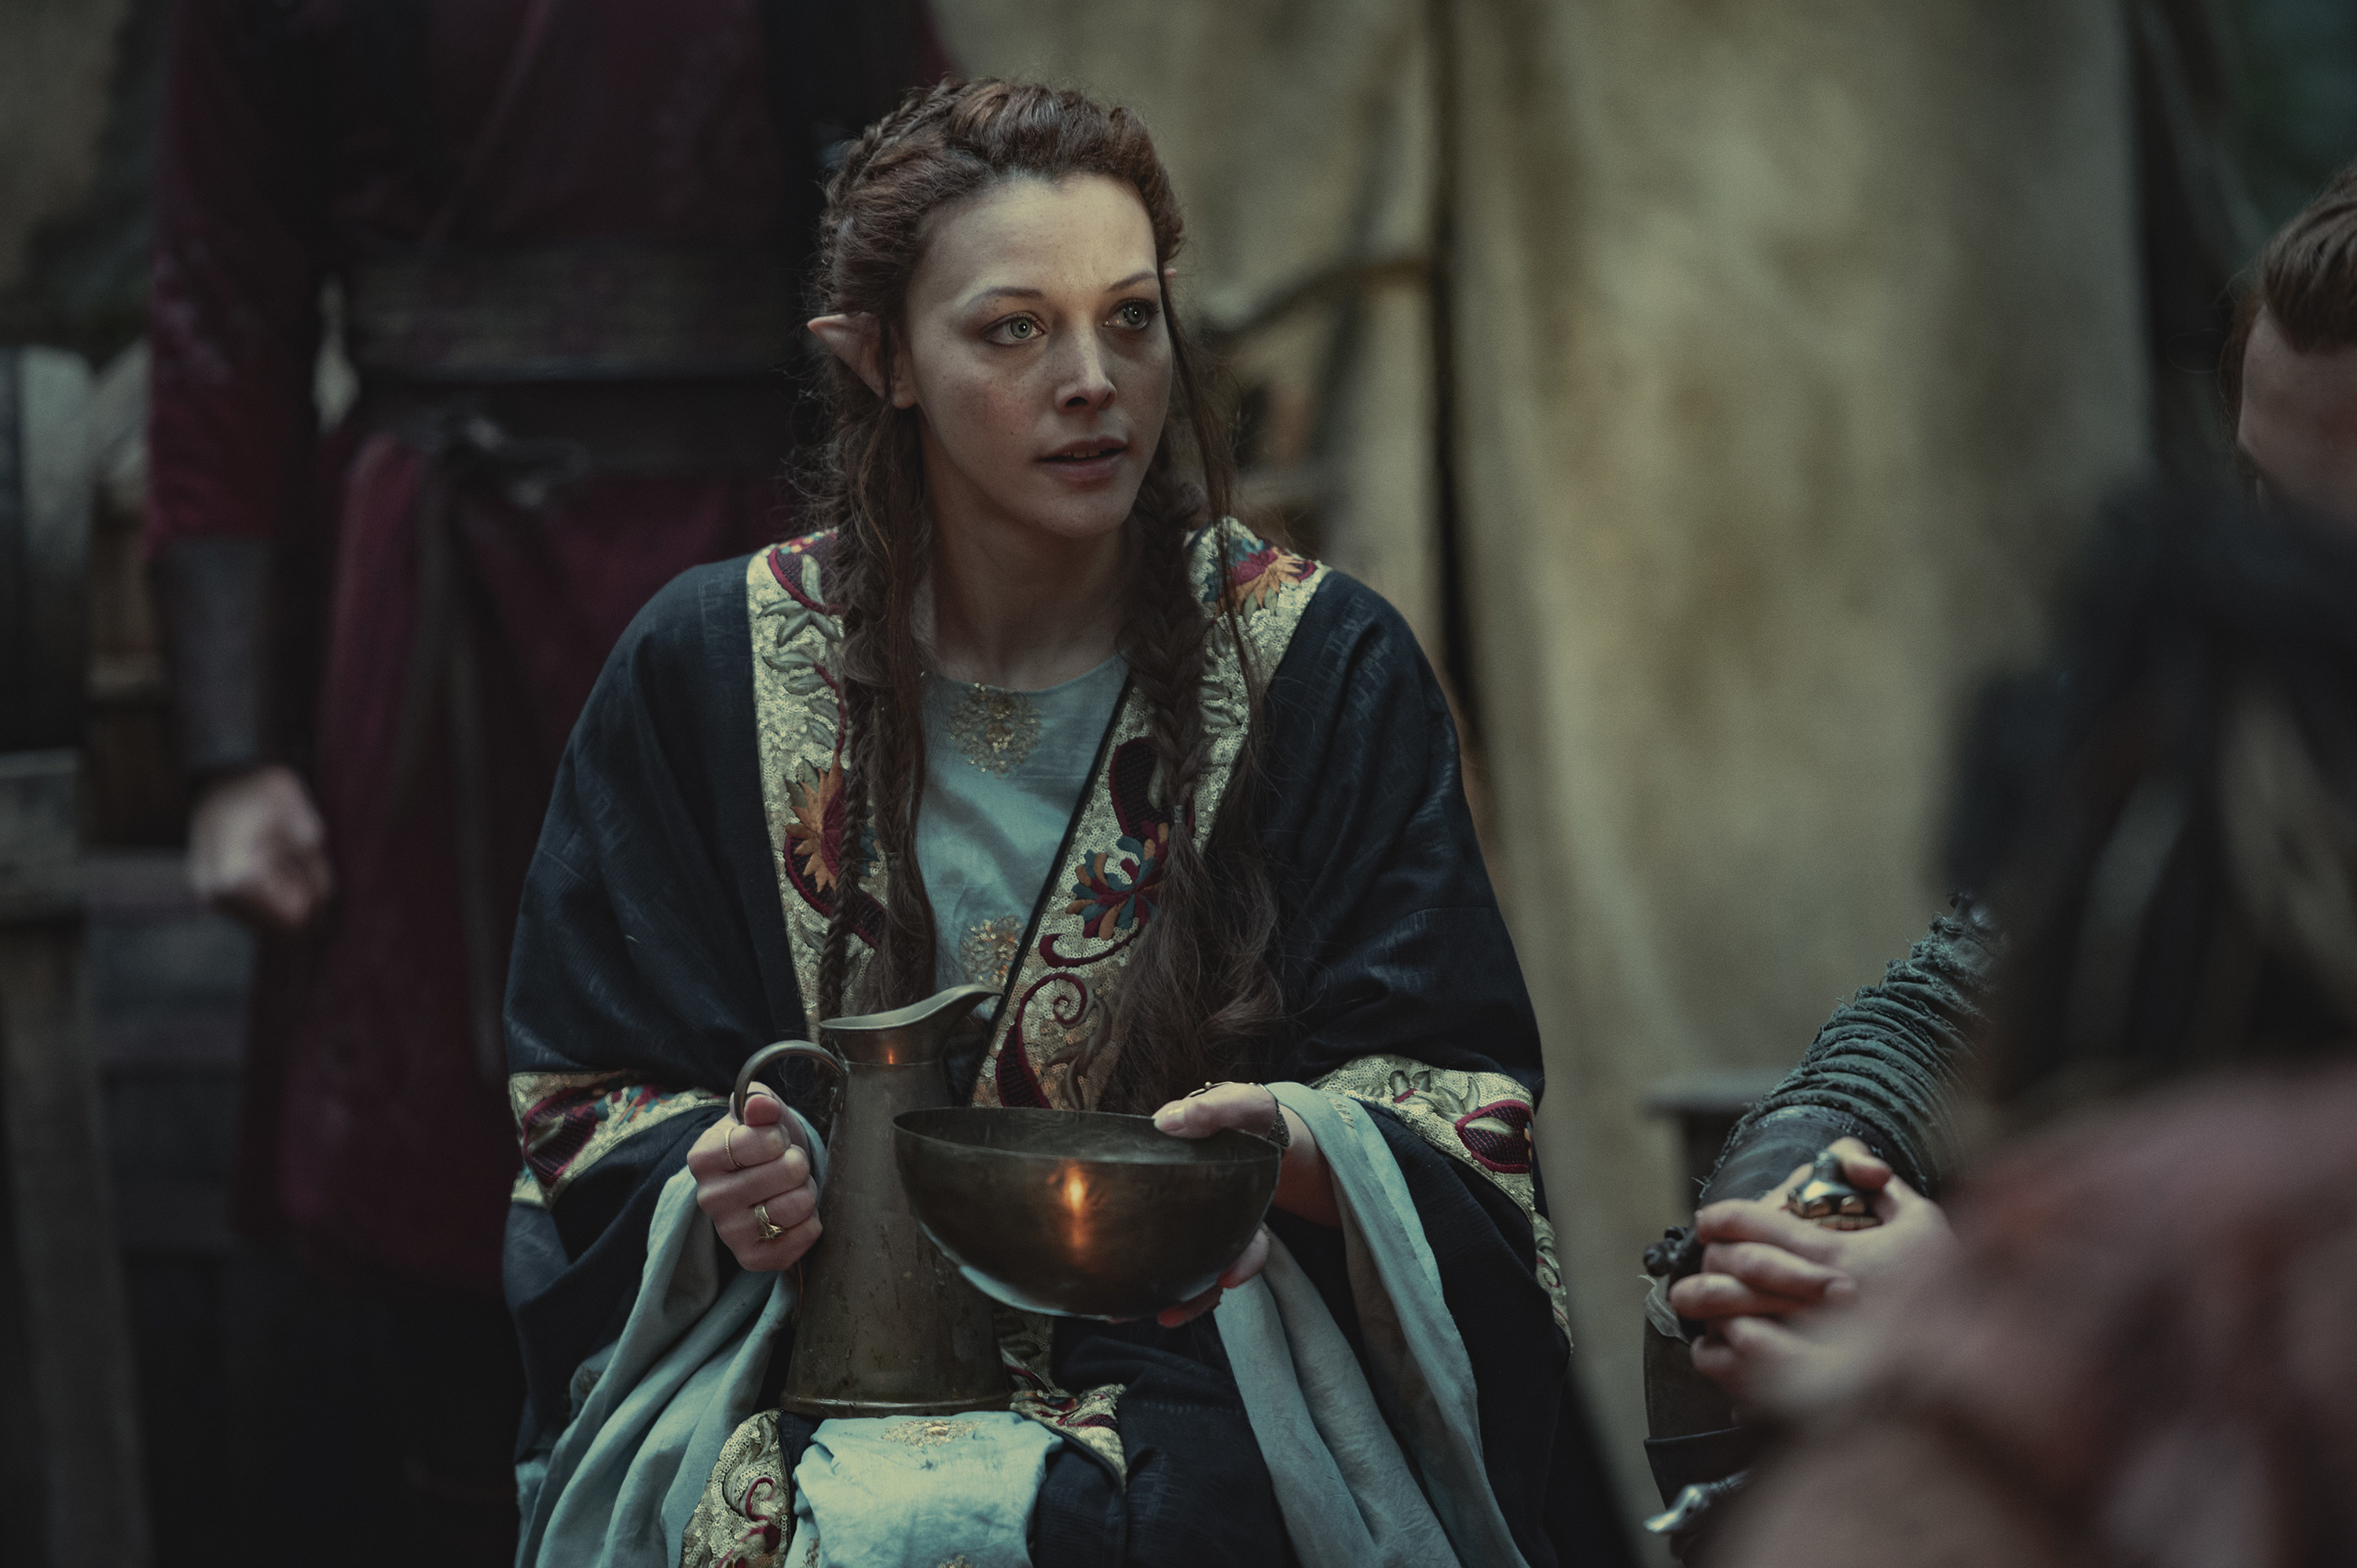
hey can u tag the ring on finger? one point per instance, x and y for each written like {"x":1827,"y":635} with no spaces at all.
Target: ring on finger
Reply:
{"x":770,"y":1231}
{"x":728,"y":1147}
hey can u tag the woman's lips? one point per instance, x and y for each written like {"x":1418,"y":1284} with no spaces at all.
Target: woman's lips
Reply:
{"x":1087,"y":462}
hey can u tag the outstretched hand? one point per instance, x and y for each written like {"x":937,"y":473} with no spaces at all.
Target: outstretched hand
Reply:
{"x":1304,"y":1186}
{"x":763,"y":1166}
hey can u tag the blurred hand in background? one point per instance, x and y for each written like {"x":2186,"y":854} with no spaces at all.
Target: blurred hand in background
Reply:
{"x":258,"y":851}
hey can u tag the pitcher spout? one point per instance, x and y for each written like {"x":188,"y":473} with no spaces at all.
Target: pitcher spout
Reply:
{"x":906,"y":1036}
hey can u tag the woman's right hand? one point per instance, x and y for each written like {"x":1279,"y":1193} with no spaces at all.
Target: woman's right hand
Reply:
{"x":768,"y":1168}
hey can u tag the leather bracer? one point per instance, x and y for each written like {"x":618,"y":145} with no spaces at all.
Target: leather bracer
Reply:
{"x":214,"y":596}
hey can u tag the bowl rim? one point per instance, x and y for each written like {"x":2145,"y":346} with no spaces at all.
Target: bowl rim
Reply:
{"x":1224,"y":1140}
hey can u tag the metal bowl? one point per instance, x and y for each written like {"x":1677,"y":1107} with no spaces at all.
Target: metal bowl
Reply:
{"x":1083,"y":1213}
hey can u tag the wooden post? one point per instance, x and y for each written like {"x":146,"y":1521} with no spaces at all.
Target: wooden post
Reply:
{"x":69,"y":1269}
{"x":68,"y":1272}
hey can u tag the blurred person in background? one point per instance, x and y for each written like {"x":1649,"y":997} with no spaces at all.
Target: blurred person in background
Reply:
{"x":2291,"y":362}
{"x":2140,"y":1344}
{"x":1879,"y":1084}
{"x":565,"y":240}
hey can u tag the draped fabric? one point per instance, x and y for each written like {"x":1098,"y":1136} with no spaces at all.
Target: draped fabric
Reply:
{"x":653,"y":950}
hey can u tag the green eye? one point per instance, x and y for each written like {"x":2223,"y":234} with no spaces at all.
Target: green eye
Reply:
{"x":1135,"y":314}
{"x":1021,"y":327}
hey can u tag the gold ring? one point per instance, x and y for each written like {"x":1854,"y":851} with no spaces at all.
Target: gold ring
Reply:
{"x":728,"y":1147}
{"x":761,"y":1221}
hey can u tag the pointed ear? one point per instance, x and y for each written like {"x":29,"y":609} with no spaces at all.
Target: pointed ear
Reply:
{"x":853,"y":338}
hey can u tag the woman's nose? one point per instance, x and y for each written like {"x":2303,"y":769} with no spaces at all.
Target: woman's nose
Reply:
{"x":1085,"y":383}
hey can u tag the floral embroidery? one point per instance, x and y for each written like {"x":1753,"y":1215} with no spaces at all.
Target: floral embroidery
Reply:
{"x":816,"y":831}
{"x":1498,"y":1135}
{"x":567,"y":1122}
{"x":1495,"y":1131}
{"x":746,"y":1518}
{"x":1141,"y":828}
{"x":1053,"y":1044}
{"x":1064,"y":1017}
{"x":798,"y":721}
{"x":1116,"y":889}
{"x":995,"y":730}
{"x":1086,"y":1419}
{"x":1252,"y":578}
{"x":1480,"y":1118}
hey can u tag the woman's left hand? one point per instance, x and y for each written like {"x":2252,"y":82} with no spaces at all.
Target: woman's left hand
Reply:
{"x":1304,"y":1185}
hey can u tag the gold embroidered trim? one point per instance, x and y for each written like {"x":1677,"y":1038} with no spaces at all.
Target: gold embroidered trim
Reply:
{"x":995,"y":730}
{"x":798,"y":724}
{"x":1089,"y":1419}
{"x":1065,"y":980}
{"x":745,"y":1517}
{"x":1092,"y":915}
{"x":1482,"y":1119}
{"x":567,"y":1122}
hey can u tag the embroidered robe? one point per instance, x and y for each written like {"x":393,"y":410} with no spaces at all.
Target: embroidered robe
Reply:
{"x":672,"y":925}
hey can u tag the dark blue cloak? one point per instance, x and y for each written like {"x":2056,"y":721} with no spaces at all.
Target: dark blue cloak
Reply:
{"x":651,"y":938}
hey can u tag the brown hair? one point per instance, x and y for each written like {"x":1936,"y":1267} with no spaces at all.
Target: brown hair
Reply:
{"x":2305,"y":280}
{"x":1198,"y":992}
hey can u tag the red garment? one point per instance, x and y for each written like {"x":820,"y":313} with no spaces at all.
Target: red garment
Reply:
{"x":2141,"y":1353}
{"x":296,"y":142}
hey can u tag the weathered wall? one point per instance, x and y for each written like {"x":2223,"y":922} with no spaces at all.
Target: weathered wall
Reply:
{"x":56,"y":59}
{"x":1797,"y":342}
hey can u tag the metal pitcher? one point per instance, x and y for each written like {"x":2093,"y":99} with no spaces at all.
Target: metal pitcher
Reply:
{"x":886,"y":1326}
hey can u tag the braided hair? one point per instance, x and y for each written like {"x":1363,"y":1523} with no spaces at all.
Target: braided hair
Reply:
{"x":1199,"y":992}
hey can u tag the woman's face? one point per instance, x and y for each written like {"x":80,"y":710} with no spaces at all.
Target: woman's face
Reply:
{"x":1036,"y":355}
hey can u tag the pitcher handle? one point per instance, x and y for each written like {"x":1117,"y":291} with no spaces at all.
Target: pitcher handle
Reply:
{"x":825,"y":1055}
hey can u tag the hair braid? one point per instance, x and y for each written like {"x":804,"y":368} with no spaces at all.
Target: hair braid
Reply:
{"x":1199,"y":991}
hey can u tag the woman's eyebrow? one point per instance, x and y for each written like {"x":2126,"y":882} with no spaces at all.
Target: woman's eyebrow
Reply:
{"x":999,"y":291}
{"x":1017,"y":290}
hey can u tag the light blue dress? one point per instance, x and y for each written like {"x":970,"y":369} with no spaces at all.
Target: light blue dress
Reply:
{"x":1004,"y":771}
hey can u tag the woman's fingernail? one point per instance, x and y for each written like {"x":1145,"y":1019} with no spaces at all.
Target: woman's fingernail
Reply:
{"x":1169,"y":1117}
{"x":1840,"y":1290}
